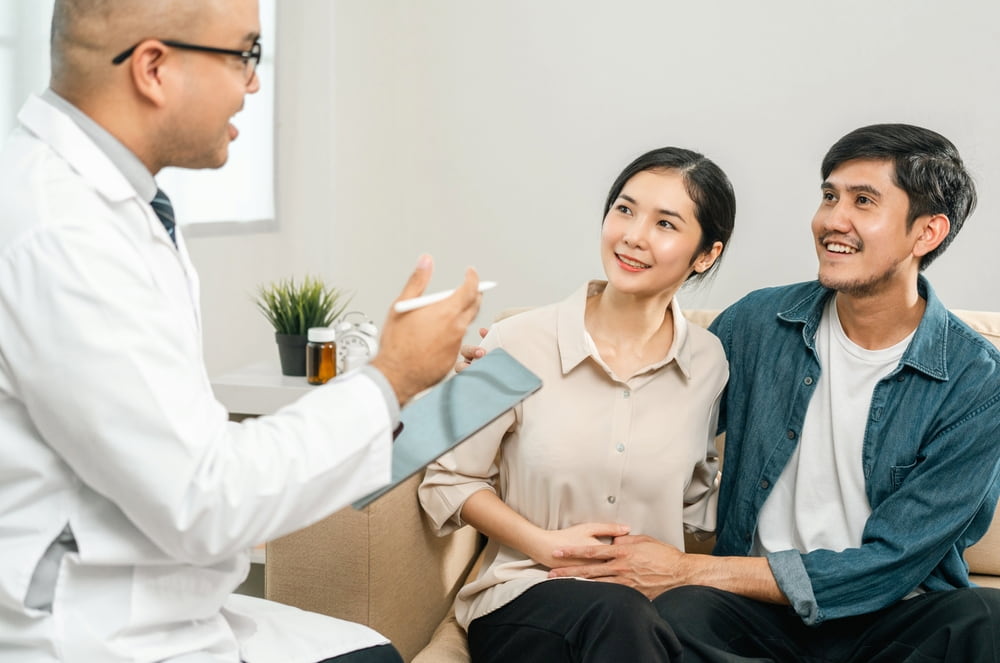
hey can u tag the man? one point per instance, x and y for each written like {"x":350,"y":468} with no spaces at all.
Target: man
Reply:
{"x":127,"y":499}
{"x":863,"y":442}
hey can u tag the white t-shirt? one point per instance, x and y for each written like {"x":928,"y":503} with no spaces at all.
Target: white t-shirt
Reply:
{"x":819,"y":502}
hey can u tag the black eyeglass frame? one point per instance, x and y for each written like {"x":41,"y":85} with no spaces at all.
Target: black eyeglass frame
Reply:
{"x":252,"y":55}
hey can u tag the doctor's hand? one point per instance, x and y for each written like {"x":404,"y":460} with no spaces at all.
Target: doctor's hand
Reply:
{"x":470,"y":353}
{"x":640,"y":562}
{"x":418,"y":348}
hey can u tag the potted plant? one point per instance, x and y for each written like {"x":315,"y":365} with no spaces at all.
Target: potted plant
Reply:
{"x":292,"y":308}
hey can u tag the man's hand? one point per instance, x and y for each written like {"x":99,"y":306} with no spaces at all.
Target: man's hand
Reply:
{"x":641,"y":562}
{"x":653,"y":567}
{"x":470,"y":353}
{"x":418,"y":348}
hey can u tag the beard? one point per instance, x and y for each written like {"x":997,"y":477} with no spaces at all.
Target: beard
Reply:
{"x":183,"y":148}
{"x":862,"y":287}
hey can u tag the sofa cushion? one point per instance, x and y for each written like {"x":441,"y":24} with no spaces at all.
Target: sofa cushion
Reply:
{"x":984,"y":557}
{"x":379,"y":566}
{"x":448,"y":644}
{"x":986,"y":323}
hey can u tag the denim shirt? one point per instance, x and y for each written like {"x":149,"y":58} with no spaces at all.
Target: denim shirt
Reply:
{"x":931,"y":453}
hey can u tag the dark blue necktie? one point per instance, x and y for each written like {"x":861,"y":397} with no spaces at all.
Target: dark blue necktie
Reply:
{"x":164,"y":210}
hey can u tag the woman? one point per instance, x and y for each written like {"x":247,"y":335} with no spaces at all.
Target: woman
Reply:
{"x":619,"y":440}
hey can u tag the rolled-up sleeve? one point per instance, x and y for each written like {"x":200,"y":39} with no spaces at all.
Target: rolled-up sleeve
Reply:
{"x":907,"y":534}
{"x":701,"y":499}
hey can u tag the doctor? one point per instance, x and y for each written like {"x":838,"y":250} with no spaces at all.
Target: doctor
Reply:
{"x":127,"y":499}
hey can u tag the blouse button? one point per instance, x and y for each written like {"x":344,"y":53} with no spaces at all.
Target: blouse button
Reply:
{"x":626,"y":393}
{"x":620,"y":448}
{"x":611,"y":499}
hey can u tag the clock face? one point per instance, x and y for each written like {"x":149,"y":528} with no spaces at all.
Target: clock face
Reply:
{"x":353,"y":349}
{"x":357,"y":341}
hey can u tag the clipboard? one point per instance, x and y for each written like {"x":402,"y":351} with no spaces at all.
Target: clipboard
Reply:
{"x":454,"y":410}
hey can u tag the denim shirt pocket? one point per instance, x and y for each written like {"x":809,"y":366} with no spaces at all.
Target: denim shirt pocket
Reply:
{"x":900,"y":472}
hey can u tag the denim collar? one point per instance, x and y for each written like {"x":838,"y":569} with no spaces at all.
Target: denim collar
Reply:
{"x":927,"y":351}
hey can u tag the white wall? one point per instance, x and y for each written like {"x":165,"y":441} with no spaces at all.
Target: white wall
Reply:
{"x":488,"y":133}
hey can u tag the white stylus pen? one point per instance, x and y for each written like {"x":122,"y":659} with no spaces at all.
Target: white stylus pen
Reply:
{"x":405,"y":305}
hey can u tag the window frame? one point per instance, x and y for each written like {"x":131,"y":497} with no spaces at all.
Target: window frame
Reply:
{"x":23,"y":44}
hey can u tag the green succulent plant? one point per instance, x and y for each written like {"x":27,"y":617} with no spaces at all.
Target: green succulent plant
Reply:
{"x":292,"y":308}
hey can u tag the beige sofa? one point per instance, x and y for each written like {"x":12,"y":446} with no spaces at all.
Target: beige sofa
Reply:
{"x":383,"y":567}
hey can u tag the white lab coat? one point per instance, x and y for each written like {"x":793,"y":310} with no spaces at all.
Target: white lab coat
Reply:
{"x":108,"y":425}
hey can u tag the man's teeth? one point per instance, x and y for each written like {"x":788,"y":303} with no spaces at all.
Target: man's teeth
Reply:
{"x":633,"y":263}
{"x":841,"y":248}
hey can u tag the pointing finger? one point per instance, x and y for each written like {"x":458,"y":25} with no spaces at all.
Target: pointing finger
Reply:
{"x":419,"y":279}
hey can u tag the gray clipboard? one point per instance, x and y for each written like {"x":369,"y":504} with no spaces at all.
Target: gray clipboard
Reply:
{"x":452,"y":411}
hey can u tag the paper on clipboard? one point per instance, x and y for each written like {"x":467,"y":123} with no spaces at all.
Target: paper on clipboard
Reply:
{"x":454,"y":410}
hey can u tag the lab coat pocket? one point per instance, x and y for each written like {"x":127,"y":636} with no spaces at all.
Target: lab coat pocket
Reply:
{"x":140,"y":613}
{"x":88,"y":606}
{"x":165,"y":594}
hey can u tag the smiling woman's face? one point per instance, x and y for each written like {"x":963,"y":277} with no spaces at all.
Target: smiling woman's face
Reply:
{"x":651,"y":236}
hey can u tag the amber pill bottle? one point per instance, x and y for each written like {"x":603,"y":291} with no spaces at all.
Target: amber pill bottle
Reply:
{"x":321,"y":355}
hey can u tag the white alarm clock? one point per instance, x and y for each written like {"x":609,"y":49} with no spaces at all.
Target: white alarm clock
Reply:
{"x":357,"y":341}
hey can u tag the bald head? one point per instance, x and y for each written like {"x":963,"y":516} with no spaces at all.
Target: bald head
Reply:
{"x":87,"y":34}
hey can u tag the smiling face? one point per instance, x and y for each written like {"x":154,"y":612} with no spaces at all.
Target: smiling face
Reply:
{"x":862,"y":241}
{"x":651,"y":235}
{"x":212,"y":86}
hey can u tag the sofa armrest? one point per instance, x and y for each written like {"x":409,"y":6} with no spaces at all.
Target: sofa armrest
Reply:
{"x":380,"y":566}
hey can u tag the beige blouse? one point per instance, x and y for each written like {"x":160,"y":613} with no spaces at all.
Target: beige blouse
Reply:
{"x":590,"y":446}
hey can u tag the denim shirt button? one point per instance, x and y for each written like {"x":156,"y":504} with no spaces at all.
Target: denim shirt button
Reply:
{"x":790,"y":434}
{"x":900,"y":378}
{"x":808,"y":381}
{"x":764,"y":483}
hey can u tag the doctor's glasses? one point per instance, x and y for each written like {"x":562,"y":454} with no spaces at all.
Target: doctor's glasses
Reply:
{"x":251,"y":58}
